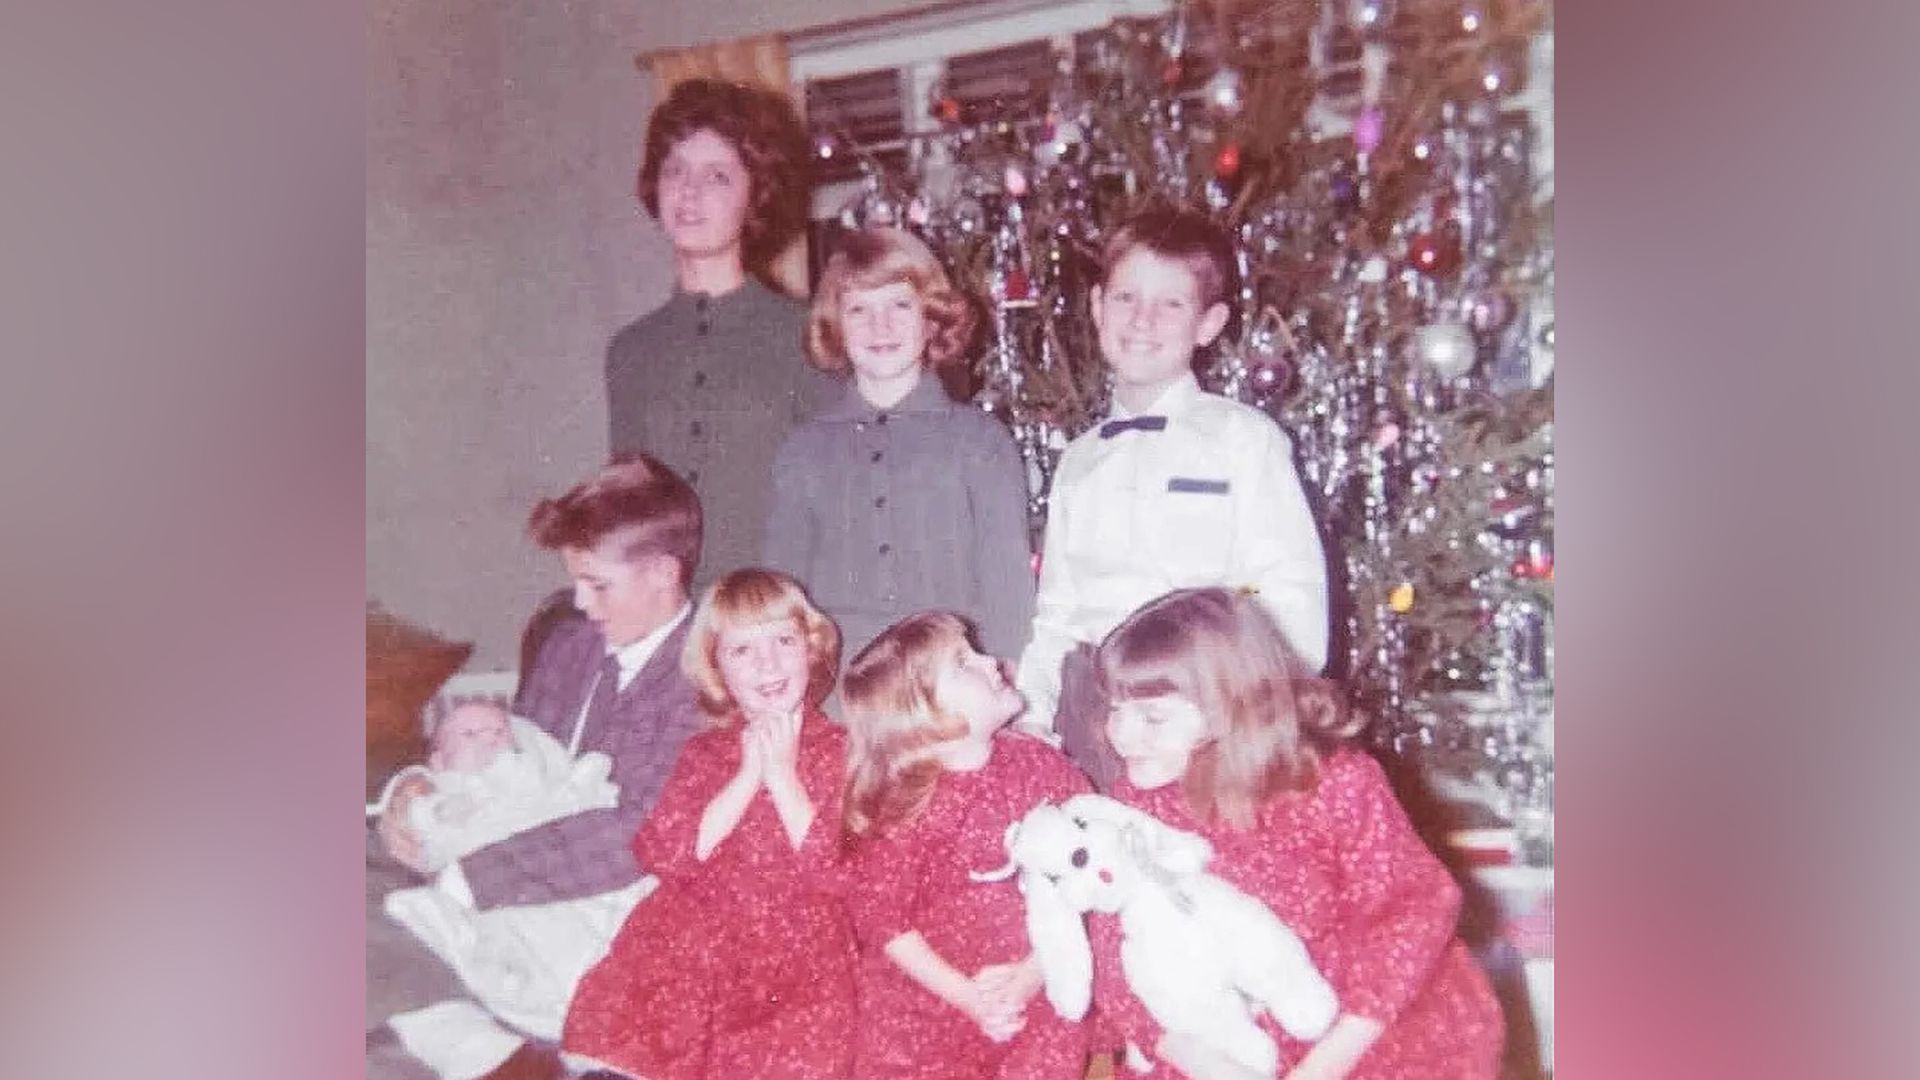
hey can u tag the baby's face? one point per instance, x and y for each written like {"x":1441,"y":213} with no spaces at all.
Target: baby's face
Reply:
{"x":469,"y":738}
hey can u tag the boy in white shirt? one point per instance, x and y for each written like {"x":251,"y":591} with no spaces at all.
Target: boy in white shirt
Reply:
{"x":1179,"y":488}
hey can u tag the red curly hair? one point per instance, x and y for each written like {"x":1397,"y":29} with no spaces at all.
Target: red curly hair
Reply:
{"x":767,"y":133}
{"x":869,"y":259}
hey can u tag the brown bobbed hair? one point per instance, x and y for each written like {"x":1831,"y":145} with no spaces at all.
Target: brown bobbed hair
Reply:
{"x":894,"y":720}
{"x":1270,"y":719}
{"x":869,"y":259}
{"x":1186,"y":237}
{"x":747,"y":598}
{"x":636,"y":501}
{"x":771,"y":141}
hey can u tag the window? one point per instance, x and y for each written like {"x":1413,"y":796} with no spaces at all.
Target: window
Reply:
{"x":870,"y":84}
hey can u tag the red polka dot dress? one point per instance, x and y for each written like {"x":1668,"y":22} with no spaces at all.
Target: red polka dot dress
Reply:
{"x":1342,"y":866}
{"x":915,"y":878}
{"x":741,"y":965}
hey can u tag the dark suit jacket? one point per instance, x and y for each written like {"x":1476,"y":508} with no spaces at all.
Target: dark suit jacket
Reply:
{"x":651,"y":719}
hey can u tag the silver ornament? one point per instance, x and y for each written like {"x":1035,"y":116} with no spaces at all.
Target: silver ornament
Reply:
{"x":1490,"y":311}
{"x":1225,"y":92}
{"x":1446,"y":347}
{"x":1496,"y":77}
{"x":1370,"y":15}
{"x":1064,"y":137}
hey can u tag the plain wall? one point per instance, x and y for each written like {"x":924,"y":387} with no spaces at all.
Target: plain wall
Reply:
{"x":504,"y":247}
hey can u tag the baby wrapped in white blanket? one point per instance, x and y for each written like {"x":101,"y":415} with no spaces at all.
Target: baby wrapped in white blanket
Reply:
{"x":493,"y":776}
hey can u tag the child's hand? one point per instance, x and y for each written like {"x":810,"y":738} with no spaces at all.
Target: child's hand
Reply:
{"x":779,"y":747}
{"x":1008,"y":987}
{"x":993,"y":1017}
{"x":401,"y":840}
{"x":753,"y":766}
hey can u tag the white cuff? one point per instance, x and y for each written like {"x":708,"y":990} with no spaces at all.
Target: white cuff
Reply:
{"x":453,"y":882}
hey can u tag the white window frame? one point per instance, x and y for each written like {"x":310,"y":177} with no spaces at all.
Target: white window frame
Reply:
{"x":919,"y":43}
{"x":928,"y":38}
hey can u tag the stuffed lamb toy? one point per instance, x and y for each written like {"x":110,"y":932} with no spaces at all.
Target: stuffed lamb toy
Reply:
{"x":1202,"y":956}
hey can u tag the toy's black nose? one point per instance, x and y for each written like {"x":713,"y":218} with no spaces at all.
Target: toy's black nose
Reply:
{"x":1079,"y":857}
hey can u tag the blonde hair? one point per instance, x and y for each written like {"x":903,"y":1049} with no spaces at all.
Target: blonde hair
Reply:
{"x":894,"y":718}
{"x":747,"y":598}
{"x":1269,"y":719}
{"x":873,"y":258}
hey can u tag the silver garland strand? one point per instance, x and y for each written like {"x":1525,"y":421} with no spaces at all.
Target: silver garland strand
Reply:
{"x":1396,"y":367}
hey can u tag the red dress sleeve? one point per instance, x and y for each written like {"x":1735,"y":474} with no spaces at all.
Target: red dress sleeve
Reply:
{"x":1400,"y":903}
{"x":663,"y":845}
{"x":822,"y":767}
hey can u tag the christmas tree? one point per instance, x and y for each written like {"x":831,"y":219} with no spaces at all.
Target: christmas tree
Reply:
{"x":1393,"y":313}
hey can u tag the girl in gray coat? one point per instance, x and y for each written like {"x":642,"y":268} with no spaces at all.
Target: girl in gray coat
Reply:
{"x":896,"y":498}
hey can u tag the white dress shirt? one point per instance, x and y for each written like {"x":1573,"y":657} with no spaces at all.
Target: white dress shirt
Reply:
{"x":1212,"y":499}
{"x":630,"y":657}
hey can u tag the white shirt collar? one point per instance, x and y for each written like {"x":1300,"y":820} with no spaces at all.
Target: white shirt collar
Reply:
{"x":1171,"y":402}
{"x":632,"y":657}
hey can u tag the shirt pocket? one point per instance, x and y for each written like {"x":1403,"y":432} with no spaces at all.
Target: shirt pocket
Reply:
{"x":1191,"y":520}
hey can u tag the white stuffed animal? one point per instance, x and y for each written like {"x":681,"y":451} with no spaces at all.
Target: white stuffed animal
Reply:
{"x":1201,"y":955}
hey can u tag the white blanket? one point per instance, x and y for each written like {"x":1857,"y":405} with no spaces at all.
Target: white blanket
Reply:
{"x":522,"y":963}
{"x":535,"y":783}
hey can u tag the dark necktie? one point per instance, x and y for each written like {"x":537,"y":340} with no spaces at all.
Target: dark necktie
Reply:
{"x":605,"y":689}
{"x":1138,"y":423}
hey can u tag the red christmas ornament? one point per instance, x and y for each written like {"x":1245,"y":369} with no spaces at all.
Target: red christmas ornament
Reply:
{"x":1227,"y":162}
{"x":1018,"y":285}
{"x":1537,"y":567}
{"x":1434,"y":254}
{"x":947,"y":109}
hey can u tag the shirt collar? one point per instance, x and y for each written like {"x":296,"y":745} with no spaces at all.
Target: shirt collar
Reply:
{"x":634,"y":656}
{"x":749,"y":291}
{"x":1172,"y":401}
{"x":927,"y":396}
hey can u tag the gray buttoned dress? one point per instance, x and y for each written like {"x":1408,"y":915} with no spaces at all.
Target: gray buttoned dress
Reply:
{"x":882,"y":513}
{"x":710,"y":386}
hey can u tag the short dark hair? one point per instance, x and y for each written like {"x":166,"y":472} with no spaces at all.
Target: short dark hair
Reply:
{"x":767,"y":133}
{"x":1186,"y":236}
{"x":635,"y":498}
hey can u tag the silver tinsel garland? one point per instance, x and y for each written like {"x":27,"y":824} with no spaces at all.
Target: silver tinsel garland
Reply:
{"x":1409,"y":359}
